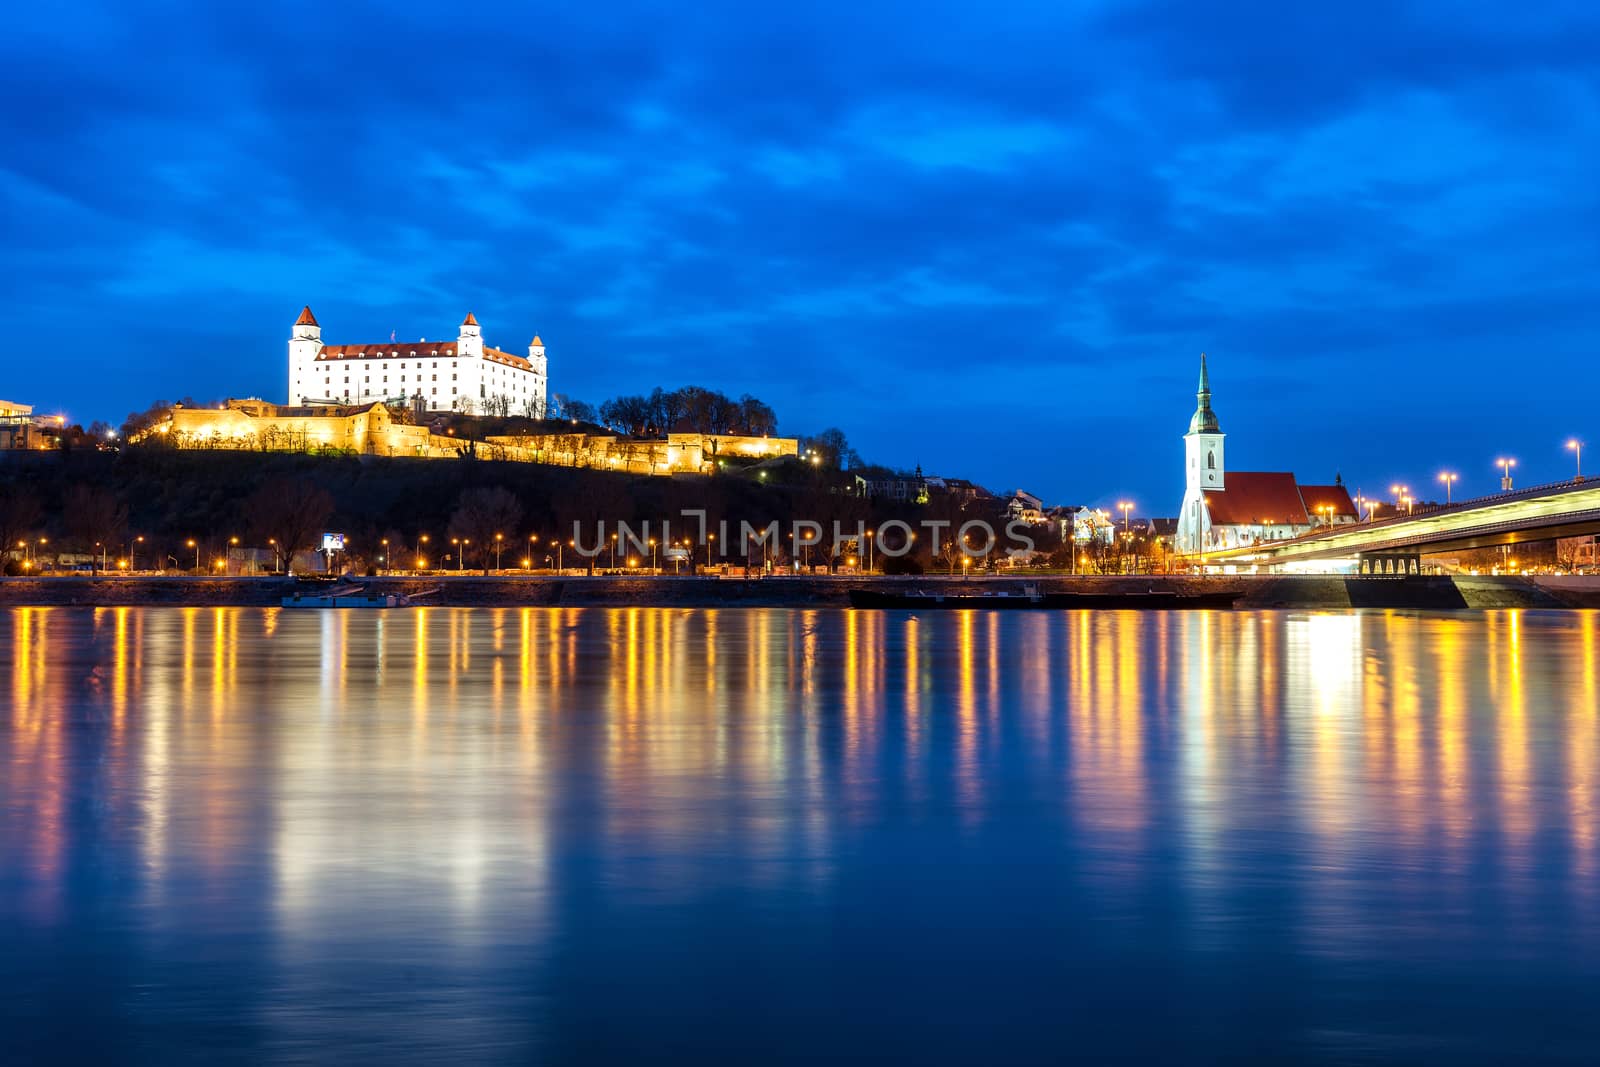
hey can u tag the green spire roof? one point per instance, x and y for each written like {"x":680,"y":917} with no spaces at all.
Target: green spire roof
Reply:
{"x":1205,"y":420}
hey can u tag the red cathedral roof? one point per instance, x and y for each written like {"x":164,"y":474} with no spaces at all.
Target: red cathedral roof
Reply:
{"x":1256,"y":498}
{"x":306,"y":318}
{"x":1335,"y":496}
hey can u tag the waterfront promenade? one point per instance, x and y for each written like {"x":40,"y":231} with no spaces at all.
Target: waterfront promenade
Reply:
{"x":1312,"y":592}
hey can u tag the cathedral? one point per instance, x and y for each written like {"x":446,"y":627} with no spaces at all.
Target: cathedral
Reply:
{"x":1236,"y":509}
{"x":463,"y":375}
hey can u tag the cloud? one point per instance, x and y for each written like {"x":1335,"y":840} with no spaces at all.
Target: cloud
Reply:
{"x":878,"y":217}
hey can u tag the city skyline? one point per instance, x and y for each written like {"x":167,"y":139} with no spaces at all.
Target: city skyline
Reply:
{"x":866,"y":224}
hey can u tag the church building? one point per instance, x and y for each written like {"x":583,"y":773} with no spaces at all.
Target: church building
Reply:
{"x":1236,"y":509}
{"x":463,"y":375}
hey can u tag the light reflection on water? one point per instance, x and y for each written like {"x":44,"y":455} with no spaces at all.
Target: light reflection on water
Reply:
{"x":769,"y":835}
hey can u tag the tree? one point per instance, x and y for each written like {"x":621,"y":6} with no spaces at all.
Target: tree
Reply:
{"x":19,"y":516}
{"x":95,"y":518}
{"x":831,"y":448}
{"x":288,"y":513}
{"x":481,"y":514}
{"x":755,"y":418}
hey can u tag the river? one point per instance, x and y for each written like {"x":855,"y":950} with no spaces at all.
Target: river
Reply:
{"x":786,"y":836}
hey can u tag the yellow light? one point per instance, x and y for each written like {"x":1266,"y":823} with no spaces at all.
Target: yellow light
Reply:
{"x":422,"y":564}
{"x":122,"y":564}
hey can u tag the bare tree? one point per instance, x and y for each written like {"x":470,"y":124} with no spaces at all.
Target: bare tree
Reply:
{"x":19,"y":516}
{"x":95,"y":517}
{"x":288,"y":513}
{"x":481,"y":514}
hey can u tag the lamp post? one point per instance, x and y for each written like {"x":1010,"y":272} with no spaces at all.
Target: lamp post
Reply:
{"x":1576,"y":447}
{"x":653,"y":553}
{"x":532,"y":540}
{"x":613,"y":551}
{"x":385,"y":544}
{"x":709,"y":538}
{"x":869,"y":551}
{"x":422,"y":539}
{"x":1505,"y":466}
{"x":192,"y":543}
{"x":499,"y":543}
{"x":1448,"y":479}
{"x":233,"y":543}
{"x":1125,"y":506}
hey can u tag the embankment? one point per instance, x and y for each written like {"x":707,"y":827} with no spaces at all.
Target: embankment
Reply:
{"x":1311,"y":592}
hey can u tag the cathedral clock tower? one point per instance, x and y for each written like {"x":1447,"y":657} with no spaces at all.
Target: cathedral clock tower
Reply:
{"x":1203,"y":468}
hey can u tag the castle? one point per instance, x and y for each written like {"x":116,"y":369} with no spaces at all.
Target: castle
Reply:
{"x":1236,"y":509}
{"x":463,"y":375}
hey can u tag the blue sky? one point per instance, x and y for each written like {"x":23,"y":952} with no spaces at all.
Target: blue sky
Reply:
{"x":992,"y":242}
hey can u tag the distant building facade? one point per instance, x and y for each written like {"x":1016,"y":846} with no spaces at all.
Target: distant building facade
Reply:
{"x":461,"y":375}
{"x":22,"y":430}
{"x":1235,"y":509}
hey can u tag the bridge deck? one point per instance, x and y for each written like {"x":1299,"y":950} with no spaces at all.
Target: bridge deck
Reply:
{"x":1538,"y":513}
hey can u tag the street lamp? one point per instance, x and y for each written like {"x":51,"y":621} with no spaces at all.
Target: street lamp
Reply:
{"x":1505,"y":466}
{"x":653,"y":554}
{"x":1125,"y":506}
{"x":869,"y":551}
{"x":1576,"y":447}
{"x":385,"y":544}
{"x":1448,"y":479}
{"x":499,"y":543}
{"x":191,"y":543}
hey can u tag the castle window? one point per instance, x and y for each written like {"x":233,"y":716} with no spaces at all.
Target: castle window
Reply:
{"x":1211,"y":461}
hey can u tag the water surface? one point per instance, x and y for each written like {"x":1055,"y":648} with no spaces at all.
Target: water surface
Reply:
{"x":561,"y":835}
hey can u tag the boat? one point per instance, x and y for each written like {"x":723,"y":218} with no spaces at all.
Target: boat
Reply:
{"x":1031,"y":597}
{"x":354,"y":596}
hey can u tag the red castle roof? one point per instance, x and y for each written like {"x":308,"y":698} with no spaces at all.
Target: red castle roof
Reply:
{"x":306,"y":318}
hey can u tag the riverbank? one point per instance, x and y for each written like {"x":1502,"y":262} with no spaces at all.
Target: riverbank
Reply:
{"x":1325,"y":592}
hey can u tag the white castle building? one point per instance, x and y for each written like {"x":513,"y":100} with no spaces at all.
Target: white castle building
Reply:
{"x":1235,"y":509}
{"x":460,"y":375}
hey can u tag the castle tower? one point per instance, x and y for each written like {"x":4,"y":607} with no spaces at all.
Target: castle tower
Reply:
{"x":540,"y":376}
{"x":1203,"y":468}
{"x":470,"y":342}
{"x":305,"y":344}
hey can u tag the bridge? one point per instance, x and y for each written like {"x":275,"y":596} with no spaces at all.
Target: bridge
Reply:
{"x":1569,"y":508}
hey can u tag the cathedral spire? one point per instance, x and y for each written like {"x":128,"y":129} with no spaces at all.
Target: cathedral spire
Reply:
{"x":1204,"y":420}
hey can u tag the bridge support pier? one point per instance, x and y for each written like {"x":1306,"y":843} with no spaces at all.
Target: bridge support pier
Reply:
{"x":1385,"y":563}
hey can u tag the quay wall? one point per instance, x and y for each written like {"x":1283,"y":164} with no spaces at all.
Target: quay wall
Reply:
{"x":1308,"y":592}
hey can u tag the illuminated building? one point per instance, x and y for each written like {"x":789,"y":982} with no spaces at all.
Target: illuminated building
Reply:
{"x":378,"y":429}
{"x":20,"y":428}
{"x":463,"y":375}
{"x":1233,"y":509}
